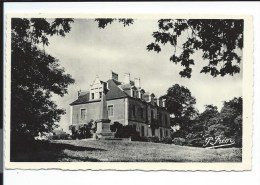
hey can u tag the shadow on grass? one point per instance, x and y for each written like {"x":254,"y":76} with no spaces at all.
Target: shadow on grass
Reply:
{"x":63,"y":146}
{"x":45,"y":151}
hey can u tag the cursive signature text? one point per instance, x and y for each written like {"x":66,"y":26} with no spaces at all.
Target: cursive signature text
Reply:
{"x":218,"y":141}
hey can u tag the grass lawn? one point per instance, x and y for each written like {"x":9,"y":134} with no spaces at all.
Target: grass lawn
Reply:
{"x":125,"y":151}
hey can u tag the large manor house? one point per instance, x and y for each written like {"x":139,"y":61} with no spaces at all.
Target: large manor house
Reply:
{"x":127,"y":103}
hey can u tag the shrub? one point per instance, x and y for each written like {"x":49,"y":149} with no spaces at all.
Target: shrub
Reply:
{"x":179,"y":141}
{"x":167,"y":140}
{"x":81,"y":131}
{"x":115,"y":126}
{"x":196,"y":139}
{"x":238,"y":141}
{"x":124,"y":131}
{"x":135,"y":136}
{"x":196,"y":142}
{"x":153,"y":139}
{"x":59,"y":137}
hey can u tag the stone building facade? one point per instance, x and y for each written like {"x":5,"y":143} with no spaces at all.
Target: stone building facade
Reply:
{"x":127,"y":103}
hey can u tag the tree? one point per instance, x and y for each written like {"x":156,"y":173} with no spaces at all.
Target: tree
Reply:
{"x":218,"y":39}
{"x":103,"y":22}
{"x":227,"y":122}
{"x":209,"y":117}
{"x":231,"y":115}
{"x":180,"y":102}
{"x":232,"y":109}
{"x":210,"y":112}
{"x":36,"y":76}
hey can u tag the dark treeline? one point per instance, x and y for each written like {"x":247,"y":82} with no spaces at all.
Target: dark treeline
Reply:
{"x":192,"y":128}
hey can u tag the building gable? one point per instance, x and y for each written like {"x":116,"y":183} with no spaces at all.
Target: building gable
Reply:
{"x":114,"y":92}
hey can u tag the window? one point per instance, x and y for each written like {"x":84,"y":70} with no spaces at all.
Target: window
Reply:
{"x":133,"y":93}
{"x":166,"y":133}
{"x":100,"y":94}
{"x":160,"y":117}
{"x":142,"y":130}
{"x":166,"y":120}
{"x":134,"y":127}
{"x":110,"y":110}
{"x":142,"y":112}
{"x":92,"y":96}
{"x":133,"y":110}
{"x":152,"y":114}
{"x":83,"y":114}
{"x":153,"y":131}
{"x":161,"y":133}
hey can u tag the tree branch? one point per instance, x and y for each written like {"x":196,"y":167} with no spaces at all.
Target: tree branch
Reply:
{"x":191,"y":28}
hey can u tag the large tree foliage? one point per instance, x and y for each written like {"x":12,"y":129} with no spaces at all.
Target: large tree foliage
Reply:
{"x":218,"y":39}
{"x":210,"y":112}
{"x":213,"y":123}
{"x":36,"y":75}
{"x":226,"y":123}
{"x":103,"y":22}
{"x":231,"y":117}
{"x":180,"y":102}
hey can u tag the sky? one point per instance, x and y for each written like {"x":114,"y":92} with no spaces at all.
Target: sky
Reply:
{"x":87,"y":51}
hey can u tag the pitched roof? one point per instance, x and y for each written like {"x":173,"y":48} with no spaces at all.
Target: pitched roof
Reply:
{"x":81,"y":99}
{"x":113,"y":93}
{"x":125,"y":86}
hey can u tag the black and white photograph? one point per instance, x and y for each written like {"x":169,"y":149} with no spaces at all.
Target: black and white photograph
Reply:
{"x":167,"y":91}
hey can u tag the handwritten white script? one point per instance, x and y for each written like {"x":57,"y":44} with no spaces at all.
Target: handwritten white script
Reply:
{"x":218,"y":141}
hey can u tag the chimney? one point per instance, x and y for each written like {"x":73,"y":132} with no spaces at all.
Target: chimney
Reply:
{"x":158,"y":102}
{"x":79,"y":93}
{"x":137,"y":83}
{"x":163,"y":102}
{"x":114,"y":76}
{"x":127,"y":78}
{"x":152,"y":98}
{"x":140,"y":94}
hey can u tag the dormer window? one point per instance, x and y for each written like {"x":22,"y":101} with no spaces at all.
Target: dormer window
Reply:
{"x":141,"y":94}
{"x":152,"y":98}
{"x":97,"y":89}
{"x":159,"y":102}
{"x":147,"y":97}
{"x":134,"y":92}
{"x":155,"y":100}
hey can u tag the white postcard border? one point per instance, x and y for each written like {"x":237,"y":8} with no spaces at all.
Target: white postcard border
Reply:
{"x":247,"y":105}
